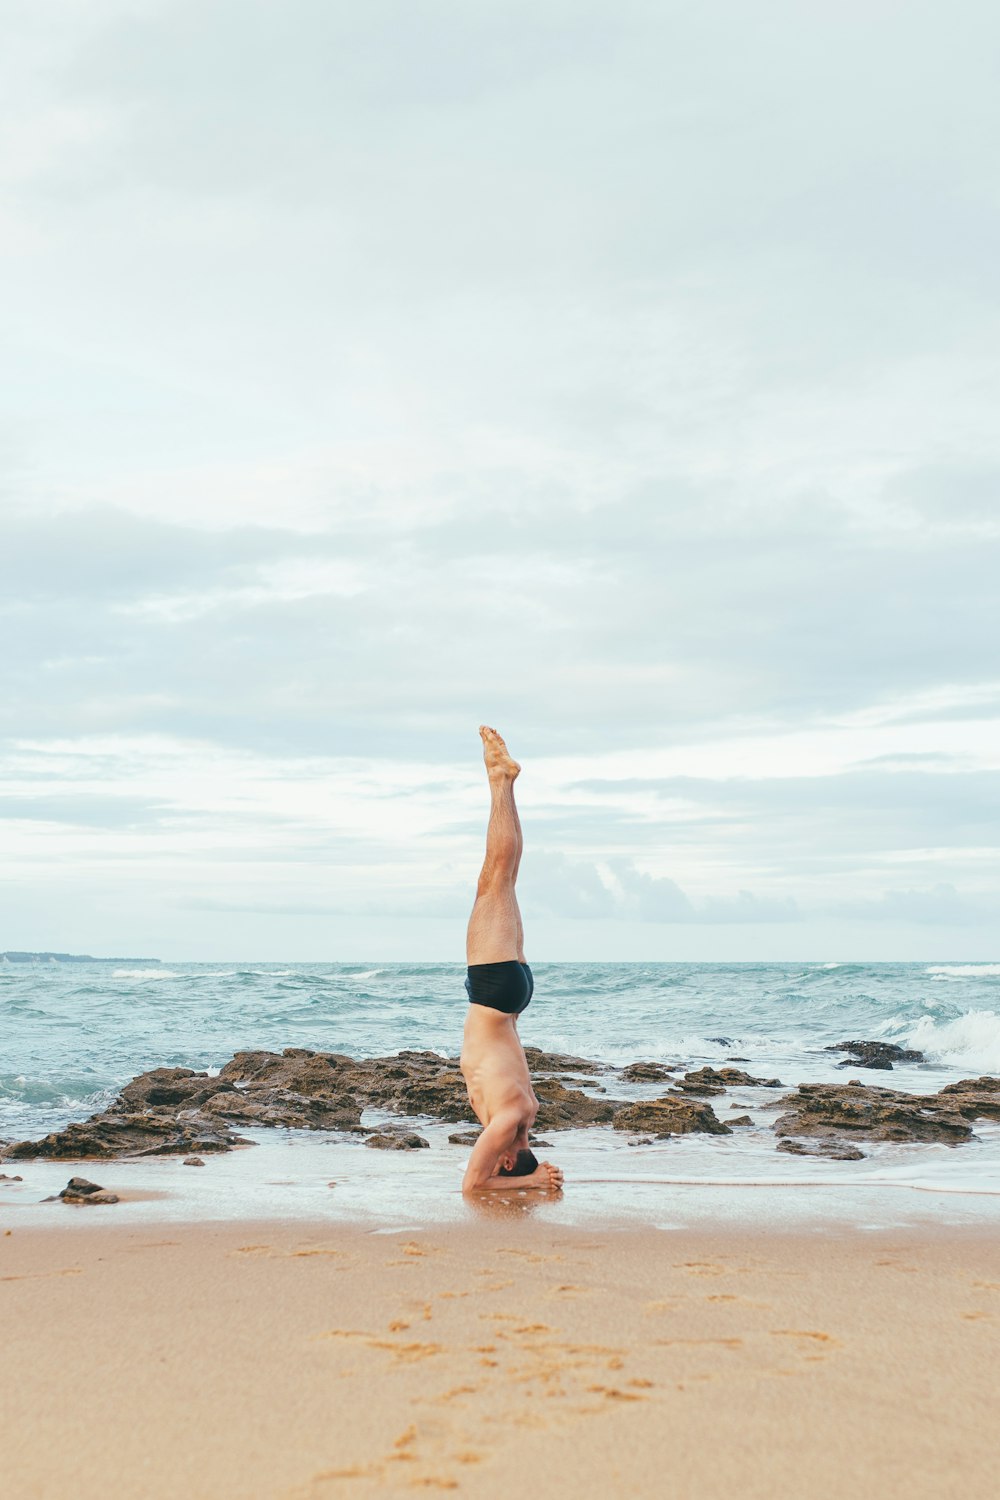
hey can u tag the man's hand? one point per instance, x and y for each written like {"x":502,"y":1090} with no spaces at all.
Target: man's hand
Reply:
{"x":546,"y":1176}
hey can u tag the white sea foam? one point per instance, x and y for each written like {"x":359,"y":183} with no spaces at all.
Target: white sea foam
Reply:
{"x":364,"y":974}
{"x":144,"y":974}
{"x":966,"y":971}
{"x":971,"y":1041}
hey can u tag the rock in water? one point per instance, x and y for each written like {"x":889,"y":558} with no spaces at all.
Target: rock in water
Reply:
{"x":877,"y":1114}
{"x":557,"y":1062}
{"x":670,"y":1115}
{"x":647,"y":1072}
{"x":874,"y":1054}
{"x":974,"y":1097}
{"x":396,"y":1140}
{"x":109,"y":1135}
{"x":717,"y":1080}
{"x":835,"y":1150}
{"x":79,"y":1190}
{"x":559,"y":1107}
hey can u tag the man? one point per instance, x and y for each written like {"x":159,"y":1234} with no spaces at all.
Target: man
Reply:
{"x":500,"y":985}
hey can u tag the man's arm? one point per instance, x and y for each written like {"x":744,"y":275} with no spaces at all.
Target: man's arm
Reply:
{"x":497,"y":1137}
{"x":546,"y":1176}
{"x":481,"y":1174}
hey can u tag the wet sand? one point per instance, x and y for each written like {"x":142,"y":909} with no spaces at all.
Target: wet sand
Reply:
{"x":509,"y":1356}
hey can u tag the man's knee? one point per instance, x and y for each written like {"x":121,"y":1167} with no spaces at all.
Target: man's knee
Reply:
{"x":497,"y":880}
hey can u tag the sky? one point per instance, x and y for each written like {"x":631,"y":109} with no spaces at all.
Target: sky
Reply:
{"x":624,"y":375}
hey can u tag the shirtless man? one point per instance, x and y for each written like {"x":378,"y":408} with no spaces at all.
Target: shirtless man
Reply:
{"x":500,"y":985}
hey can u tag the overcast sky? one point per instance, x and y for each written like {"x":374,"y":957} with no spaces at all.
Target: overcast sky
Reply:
{"x":622,"y":374}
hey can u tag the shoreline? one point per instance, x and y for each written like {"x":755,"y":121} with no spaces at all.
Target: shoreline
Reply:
{"x":310,"y":1361}
{"x":304,"y":1177}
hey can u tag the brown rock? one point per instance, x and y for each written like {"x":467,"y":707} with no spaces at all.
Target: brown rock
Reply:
{"x":389,"y":1140}
{"x":79,"y":1190}
{"x":560,"y":1107}
{"x":873,"y":1054}
{"x":974,"y":1098}
{"x":316,"y":1074}
{"x":109,"y":1135}
{"x":465,"y":1137}
{"x":5,"y":1178}
{"x":740,"y":1120}
{"x":192,"y":1161}
{"x":647,"y":1072}
{"x":670,"y":1115}
{"x":279,"y":1107}
{"x":835,"y":1150}
{"x":717,"y":1080}
{"x":174,"y":1088}
{"x":557,"y":1062}
{"x":855,"y":1109}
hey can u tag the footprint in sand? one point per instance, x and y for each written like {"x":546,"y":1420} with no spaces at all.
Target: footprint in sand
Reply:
{"x":805,"y":1333}
{"x":44,"y":1275}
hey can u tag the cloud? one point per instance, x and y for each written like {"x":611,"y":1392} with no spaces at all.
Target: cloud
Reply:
{"x":939,"y":905}
{"x":616,"y":373}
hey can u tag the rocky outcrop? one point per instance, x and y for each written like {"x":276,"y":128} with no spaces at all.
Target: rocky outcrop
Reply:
{"x":671,"y":1114}
{"x":880,"y":1055}
{"x":178,"y":1111}
{"x":708,"y":1081}
{"x":79,"y":1190}
{"x":396,"y":1140}
{"x":558,"y":1062}
{"x":647,"y":1072}
{"x":169,"y":1088}
{"x":110,"y":1135}
{"x":835,"y":1150}
{"x":974,"y":1098}
{"x":859,"y":1110}
{"x":560,"y":1107}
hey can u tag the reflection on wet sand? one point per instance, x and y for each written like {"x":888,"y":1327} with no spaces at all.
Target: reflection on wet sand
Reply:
{"x":513,"y":1205}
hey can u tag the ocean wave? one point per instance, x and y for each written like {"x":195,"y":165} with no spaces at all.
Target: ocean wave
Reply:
{"x":966,"y":971}
{"x":971,"y":1041}
{"x":144,"y":974}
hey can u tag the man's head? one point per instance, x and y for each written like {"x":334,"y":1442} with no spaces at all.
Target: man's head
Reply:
{"x":519,"y":1164}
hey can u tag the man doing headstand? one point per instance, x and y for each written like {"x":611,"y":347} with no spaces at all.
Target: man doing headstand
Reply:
{"x":500,"y":985}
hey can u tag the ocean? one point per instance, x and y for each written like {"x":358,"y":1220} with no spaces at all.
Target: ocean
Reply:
{"x":73,"y":1033}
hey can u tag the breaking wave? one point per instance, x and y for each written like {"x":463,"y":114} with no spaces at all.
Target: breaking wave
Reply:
{"x":970,"y":1041}
{"x":144,"y":974}
{"x":966,"y":971}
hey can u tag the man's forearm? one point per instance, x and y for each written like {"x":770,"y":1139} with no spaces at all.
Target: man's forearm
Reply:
{"x":495,"y":1183}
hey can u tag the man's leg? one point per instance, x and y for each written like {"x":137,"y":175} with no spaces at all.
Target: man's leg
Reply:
{"x":495,"y":932}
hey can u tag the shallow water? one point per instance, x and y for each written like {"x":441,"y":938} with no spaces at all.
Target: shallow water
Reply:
{"x":73,"y":1034}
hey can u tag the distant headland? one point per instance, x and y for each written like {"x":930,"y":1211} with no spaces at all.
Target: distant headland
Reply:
{"x":12,"y":957}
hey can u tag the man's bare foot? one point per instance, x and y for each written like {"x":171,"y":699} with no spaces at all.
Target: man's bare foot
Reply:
{"x":499,"y":761}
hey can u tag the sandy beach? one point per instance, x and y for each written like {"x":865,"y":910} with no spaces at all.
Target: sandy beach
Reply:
{"x":258,"y":1361}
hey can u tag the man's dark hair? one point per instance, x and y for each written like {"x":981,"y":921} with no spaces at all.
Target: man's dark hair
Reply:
{"x":525,"y":1163}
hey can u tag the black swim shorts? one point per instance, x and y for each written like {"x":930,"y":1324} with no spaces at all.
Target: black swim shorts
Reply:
{"x":507,"y":987}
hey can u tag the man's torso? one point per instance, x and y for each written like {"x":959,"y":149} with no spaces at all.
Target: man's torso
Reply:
{"x":494,"y":1066}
